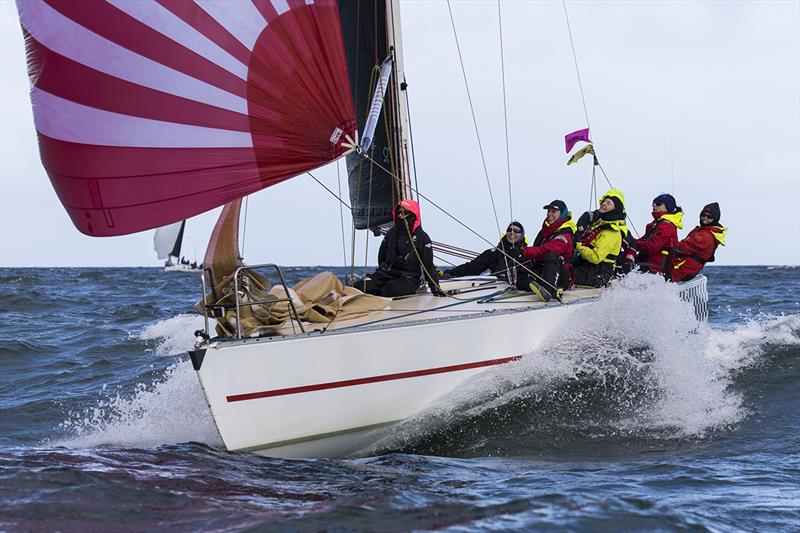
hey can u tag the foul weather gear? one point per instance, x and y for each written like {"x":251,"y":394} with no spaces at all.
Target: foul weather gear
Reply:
{"x":660,"y":236}
{"x":695,"y":251}
{"x":550,"y":256}
{"x":399,"y":268}
{"x":497,"y":260}
{"x":599,"y":247}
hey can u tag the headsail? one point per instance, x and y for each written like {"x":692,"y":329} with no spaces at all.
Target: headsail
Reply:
{"x":167,"y":240}
{"x":150,"y":112}
{"x":373,"y":191}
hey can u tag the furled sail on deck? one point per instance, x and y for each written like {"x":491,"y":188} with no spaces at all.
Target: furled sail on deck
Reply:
{"x":373,"y":192}
{"x":153,"y":111}
{"x":167,"y":240}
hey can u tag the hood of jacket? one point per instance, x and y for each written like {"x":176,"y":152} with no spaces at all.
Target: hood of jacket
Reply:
{"x":614,"y":193}
{"x":411,"y":206}
{"x":675,"y":218}
{"x":619,"y":205}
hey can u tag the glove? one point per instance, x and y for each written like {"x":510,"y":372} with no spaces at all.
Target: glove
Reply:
{"x":443,"y":274}
{"x":586,"y":219}
{"x":436,"y":291}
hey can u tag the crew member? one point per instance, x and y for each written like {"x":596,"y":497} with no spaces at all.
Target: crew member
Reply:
{"x":699,"y":247}
{"x":660,"y":236}
{"x":497,"y":261}
{"x":599,"y":244}
{"x":405,"y":255}
{"x":551,"y":254}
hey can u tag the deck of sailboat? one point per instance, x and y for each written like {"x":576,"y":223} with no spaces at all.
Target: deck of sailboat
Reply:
{"x":475,"y":296}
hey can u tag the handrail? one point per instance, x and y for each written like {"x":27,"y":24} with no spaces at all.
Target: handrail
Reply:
{"x":294,"y":315}
{"x":285,"y":288}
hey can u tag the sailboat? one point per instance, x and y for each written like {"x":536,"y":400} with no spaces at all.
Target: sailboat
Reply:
{"x":167,"y":241}
{"x":174,"y":108}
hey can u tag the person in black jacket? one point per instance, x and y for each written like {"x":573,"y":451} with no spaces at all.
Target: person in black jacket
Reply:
{"x":497,"y":261}
{"x":405,"y":256}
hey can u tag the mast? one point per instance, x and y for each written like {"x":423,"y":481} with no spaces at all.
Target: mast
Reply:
{"x":397,"y":101}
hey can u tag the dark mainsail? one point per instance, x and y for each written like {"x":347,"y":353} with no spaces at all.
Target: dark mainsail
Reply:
{"x":373,"y":192}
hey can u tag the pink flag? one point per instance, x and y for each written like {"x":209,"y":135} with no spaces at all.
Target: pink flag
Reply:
{"x":571,"y":138}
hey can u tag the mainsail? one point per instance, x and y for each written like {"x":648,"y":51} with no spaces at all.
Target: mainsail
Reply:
{"x":153,"y":111}
{"x":167,"y":240}
{"x":368,"y":42}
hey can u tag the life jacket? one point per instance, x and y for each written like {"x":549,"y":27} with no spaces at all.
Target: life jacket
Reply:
{"x":718,"y":232}
{"x":598,"y":227}
{"x":564,"y":226}
{"x":676,"y":219}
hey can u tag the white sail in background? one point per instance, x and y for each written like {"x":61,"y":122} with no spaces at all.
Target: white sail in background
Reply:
{"x":167,"y":240}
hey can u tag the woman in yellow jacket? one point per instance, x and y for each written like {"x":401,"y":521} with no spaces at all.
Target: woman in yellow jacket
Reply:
{"x":597,"y":248}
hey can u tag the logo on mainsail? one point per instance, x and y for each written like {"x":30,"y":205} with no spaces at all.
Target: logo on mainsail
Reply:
{"x":337,"y":133}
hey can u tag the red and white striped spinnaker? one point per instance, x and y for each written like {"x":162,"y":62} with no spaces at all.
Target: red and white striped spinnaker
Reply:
{"x":152,"y":111}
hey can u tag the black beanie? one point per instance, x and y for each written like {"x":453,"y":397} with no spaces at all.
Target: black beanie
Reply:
{"x":712,"y":209}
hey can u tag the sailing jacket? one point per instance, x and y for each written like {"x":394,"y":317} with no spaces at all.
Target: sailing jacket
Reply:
{"x":402,"y":248}
{"x":696,"y":250}
{"x":555,"y":237}
{"x":602,"y":240}
{"x":660,"y":236}
{"x":492,"y":260}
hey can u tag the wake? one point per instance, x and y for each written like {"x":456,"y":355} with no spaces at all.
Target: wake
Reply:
{"x":636,"y":364}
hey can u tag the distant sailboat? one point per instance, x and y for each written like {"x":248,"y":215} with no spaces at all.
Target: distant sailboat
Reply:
{"x":167,"y":243}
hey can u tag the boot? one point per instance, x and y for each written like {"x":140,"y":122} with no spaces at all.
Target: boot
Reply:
{"x":540,"y":291}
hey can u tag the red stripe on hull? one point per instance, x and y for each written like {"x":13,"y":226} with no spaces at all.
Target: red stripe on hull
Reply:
{"x":372,"y":379}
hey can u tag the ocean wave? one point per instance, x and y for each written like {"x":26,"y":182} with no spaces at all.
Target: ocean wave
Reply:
{"x":168,"y":409}
{"x":634,"y":365}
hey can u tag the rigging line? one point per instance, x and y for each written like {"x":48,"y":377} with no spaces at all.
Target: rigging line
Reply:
{"x":443,"y":260}
{"x":575,"y":58}
{"x":341,"y":211}
{"x":505,"y":110}
{"x":462,"y":224}
{"x":411,"y":137}
{"x":330,"y":191}
{"x":474,"y":120}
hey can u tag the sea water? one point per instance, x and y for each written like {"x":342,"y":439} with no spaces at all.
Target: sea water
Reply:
{"x":633,"y":417}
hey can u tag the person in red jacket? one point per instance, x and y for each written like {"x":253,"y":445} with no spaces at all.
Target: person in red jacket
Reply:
{"x":698,"y":248}
{"x":660,"y":236}
{"x":551,"y":254}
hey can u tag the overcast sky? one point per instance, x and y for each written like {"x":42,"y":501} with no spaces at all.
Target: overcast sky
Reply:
{"x":701,"y":99}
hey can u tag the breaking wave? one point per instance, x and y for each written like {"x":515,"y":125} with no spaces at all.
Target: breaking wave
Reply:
{"x":169,"y":409}
{"x":635,"y":365}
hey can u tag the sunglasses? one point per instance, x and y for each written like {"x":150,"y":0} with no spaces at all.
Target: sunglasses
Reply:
{"x":706,"y":216}
{"x":513,"y":229}
{"x":659,"y":203}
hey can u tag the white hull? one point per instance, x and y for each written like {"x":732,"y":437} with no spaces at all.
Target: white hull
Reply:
{"x":319,"y":394}
{"x":181,"y":268}
{"x":323,"y":394}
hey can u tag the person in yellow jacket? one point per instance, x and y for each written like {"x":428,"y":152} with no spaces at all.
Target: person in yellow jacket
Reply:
{"x":599,"y":244}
